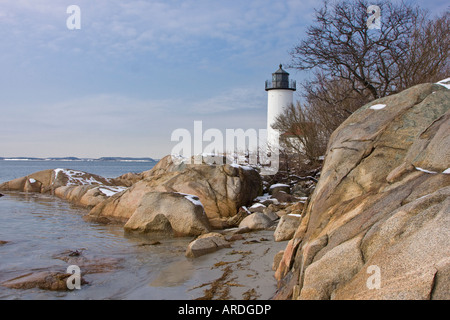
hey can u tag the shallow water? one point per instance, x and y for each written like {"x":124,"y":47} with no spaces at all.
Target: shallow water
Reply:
{"x":40,"y":227}
{"x":12,"y":169}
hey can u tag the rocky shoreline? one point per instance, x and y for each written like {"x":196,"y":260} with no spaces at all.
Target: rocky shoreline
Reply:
{"x":378,"y":223}
{"x":241,"y":271}
{"x":245,"y":271}
{"x":223,"y":207}
{"x":375,"y":226}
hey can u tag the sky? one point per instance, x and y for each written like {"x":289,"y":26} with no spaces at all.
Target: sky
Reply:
{"x":135,"y":71}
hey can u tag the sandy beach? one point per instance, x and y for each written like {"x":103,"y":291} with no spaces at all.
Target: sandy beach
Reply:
{"x":242,"y":272}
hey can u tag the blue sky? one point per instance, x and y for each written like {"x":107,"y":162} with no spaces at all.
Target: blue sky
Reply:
{"x":137,"y":70}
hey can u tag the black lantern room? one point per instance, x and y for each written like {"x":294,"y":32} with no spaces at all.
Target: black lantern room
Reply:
{"x":280,"y":80}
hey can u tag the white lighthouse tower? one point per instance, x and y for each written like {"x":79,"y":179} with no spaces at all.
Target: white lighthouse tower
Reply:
{"x":280,"y":92}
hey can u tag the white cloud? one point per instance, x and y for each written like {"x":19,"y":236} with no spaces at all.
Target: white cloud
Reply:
{"x":138,"y":49}
{"x":154,"y":26}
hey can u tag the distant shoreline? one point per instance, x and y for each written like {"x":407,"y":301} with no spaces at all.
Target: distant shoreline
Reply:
{"x":111,"y":159}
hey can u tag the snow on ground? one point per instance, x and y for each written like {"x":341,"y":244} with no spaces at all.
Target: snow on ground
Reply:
{"x":246,"y":210}
{"x":110,"y":191}
{"x":424,"y":170}
{"x":277,"y":185}
{"x":303,"y":199}
{"x":77,"y":177}
{"x":263,"y":198}
{"x":235,"y":165}
{"x":192,"y":198}
{"x":378,"y":106}
{"x":257,"y":205}
{"x":445,"y":83}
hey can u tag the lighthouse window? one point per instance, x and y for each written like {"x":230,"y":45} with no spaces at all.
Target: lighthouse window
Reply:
{"x":280,"y":80}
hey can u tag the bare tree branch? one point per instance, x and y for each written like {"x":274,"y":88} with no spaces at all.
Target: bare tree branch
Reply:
{"x":408,"y":49}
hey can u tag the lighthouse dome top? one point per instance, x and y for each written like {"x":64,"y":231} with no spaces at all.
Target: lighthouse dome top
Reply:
{"x":280,"y":70}
{"x":280,"y":80}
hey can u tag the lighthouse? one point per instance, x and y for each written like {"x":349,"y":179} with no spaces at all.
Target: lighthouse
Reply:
{"x":280,"y":92}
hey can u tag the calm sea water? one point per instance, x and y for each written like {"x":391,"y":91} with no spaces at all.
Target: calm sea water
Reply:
{"x":40,"y":227}
{"x":11,"y":169}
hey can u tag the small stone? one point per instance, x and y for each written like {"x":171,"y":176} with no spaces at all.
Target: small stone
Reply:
{"x":256,"y":221}
{"x":205,"y":244}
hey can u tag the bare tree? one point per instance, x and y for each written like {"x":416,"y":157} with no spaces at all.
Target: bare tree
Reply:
{"x":340,"y":44}
{"x":353,"y":65}
{"x":427,"y":59}
{"x":300,"y":134}
{"x":331,"y":100}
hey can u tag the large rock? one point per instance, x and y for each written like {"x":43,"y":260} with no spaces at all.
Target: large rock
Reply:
{"x":169,"y":213}
{"x":279,"y":187}
{"x":256,"y":221}
{"x":44,"y":280}
{"x":78,"y":187}
{"x":56,"y":280}
{"x":127,"y":179}
{"x":286,"y":227}
{"x":222,"y":189}
{"x":382,"y":203}
{"x":39,"y":181}
{"x":283,"y":197}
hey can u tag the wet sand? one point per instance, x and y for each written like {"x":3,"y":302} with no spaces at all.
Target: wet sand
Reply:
{"x":242,"y":272}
